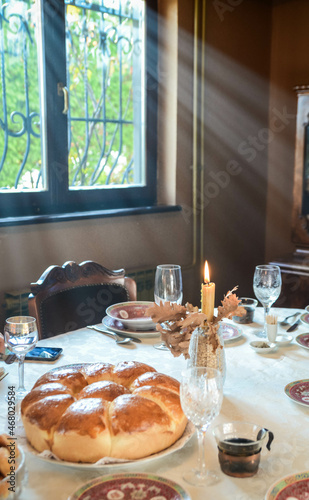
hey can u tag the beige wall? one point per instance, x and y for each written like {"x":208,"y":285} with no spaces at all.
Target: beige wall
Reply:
{"x":132,"y":242}
{"x":289,"y":68}
{"x":256,"y":52}
{"x":234,"y":188}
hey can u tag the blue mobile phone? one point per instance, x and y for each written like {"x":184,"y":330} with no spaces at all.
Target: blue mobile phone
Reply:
{"x":44,"y":354}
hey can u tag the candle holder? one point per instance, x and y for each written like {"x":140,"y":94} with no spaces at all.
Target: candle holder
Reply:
{"x":176,"y":323}
{"x":202,"y":352}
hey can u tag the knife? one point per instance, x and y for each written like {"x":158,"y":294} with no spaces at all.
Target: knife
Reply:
{"x":3,"y":375}
{"x":8,"y":358}
{"x":101,"y":330}
{"x":294,"y":326}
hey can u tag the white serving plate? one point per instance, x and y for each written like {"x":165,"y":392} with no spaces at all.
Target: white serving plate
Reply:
{"x":282,"y":340}
{"x":118,"y":327}
{"x":109,"y":462}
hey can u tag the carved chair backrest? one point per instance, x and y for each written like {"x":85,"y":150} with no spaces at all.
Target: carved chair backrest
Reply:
{"x":76,"y":295}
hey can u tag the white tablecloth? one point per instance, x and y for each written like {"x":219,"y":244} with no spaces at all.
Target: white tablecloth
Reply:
{"x":253,"y":391}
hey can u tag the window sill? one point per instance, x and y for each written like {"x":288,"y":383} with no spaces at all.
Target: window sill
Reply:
{"x":96,"y":214}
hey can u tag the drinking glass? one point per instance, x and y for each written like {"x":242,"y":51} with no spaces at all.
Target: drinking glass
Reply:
{"x":201,"y":394}
{"x":167,"y":288}
{"x":20,"y":336}
{"x":267,"y":288}
{"x":168,"y":284}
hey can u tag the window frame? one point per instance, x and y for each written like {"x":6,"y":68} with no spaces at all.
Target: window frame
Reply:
{"x":58,"y":199}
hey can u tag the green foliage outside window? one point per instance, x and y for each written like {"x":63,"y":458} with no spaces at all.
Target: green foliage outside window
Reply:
{"x":100,"y":75}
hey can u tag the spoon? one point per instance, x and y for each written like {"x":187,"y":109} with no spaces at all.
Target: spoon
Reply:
{"x":122,"y":335}
{"x":286,"y":322}
{"x":118,"y":340}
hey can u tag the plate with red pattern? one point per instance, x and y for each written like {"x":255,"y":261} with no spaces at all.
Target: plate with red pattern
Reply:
{"x":303,"y":340}
{"x":130,"y":487}
{"x":229,"y":332}
{"x":299,"y":392}
{"x":305,"y":318}
{"x":292,"y":487}
{"x":118,"y":327}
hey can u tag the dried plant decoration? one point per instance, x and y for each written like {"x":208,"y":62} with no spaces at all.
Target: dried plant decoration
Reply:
{"x":230,"y":306}
{"x":176,"y":322}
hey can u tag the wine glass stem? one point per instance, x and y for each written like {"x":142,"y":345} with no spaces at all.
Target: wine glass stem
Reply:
{"x":266,"y":313}
{"x":201,"y":466}
{"x":21,"y":359}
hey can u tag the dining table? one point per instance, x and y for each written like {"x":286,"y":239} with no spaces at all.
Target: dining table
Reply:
{"x":254,"y":391}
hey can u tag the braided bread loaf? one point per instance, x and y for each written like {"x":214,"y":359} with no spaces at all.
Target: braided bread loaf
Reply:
{"x":85,"y":412}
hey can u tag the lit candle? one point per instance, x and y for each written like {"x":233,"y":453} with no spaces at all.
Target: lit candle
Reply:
{"x":208,"y":294}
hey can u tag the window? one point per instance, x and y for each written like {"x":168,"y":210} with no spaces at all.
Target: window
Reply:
{"x":98,"y":59}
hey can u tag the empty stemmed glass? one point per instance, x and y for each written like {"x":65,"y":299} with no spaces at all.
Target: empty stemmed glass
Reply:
{"x":20,"y":336}
{"x":168,"y":284}
{"x":267,"y":288}
{"x":201,"y":394}
{"x":167,"y":288}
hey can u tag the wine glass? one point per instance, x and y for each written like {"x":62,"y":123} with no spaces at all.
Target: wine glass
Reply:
{"x":201,"y":394}
{"x":267,"y":288}
{"x":168,"y":284}
{"x":20,"y":336}
{"x":167,"y":288}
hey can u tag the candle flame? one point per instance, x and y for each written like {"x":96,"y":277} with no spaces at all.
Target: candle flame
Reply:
{"x":206,"y":273}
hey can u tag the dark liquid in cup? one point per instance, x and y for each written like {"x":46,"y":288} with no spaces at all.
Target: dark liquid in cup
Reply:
{"x":239,"y":440}
{"x":237,"y":460}
{"x":250,"y":309}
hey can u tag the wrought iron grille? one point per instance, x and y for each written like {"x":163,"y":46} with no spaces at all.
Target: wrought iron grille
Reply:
{"x":105,"y":79}
{"x":19,"y":118}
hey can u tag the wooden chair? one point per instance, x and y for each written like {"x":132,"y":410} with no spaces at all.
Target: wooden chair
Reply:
{"x":74,"y":296}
